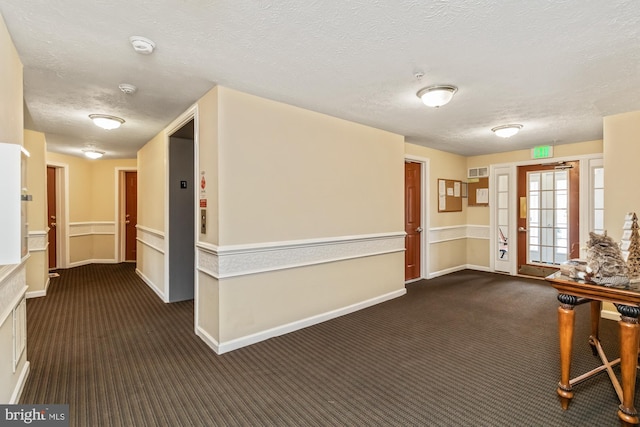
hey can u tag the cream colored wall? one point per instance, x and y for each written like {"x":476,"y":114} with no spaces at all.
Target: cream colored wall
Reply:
{"x":478,"y":253}
{"x":621,"y":160}
{"x":80,"y":250}
{"x":11,"y":113}
{"x":254,"y":303}
{"x":38,"y":262}
{"x":442,"y":165}
{"x":287,"y":173}
{"x":151,"y":183}
{"x":103,"y":247}
{"x":208,"y":305}
{"x":443,"y":255}
{"x":150,"y":246}
{"x":559,"y":151}
{"x":11,"y":289}
{"x":80,"y":185}
{"x":621,"y":153}
{"x":36,"y":144}
{"x":104,"y":186}
{"x":448,"y":256}
{"x":207,"y":124}
{"x":92,"y":206}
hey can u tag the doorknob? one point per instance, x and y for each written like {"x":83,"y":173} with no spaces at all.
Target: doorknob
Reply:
{"x":419,"y":229}
{"x":53,"y":224}
{"x":53,"y":217}
{"x":522,"y":229}
{"x":127,"y":222}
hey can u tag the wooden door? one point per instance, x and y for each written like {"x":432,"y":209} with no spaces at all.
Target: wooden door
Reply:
{"x":548,"y":214}
{"x":51,"y":216}
{"x":412,"y":215}
{"x":131,"y":214}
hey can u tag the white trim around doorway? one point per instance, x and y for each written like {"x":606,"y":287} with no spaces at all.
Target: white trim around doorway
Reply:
{"x":424,"y":209}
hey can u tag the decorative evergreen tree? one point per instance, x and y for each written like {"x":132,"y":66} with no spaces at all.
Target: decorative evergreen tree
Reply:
{"x":633,"y":260}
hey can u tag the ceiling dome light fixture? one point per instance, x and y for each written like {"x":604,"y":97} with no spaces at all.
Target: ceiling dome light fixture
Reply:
{"x":437,"y":96}
{"x":142,"y":45}
{"x":127,"y":88}
{"x":105,"y":121}
{"x":92,"y":153}
{"x":506,"y":131}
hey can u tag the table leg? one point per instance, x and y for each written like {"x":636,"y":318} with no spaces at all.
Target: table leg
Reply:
{"x":566,"y":322}
{"x":629,"y":337}
{"x":596,"y":308}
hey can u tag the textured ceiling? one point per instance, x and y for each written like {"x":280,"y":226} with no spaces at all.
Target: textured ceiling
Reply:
{"x":557,"y":67}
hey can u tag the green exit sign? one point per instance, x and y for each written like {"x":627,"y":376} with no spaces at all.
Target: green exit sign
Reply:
{"x":542,"y":152}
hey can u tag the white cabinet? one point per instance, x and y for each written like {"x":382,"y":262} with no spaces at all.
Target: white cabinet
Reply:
{"x":13,"y":204}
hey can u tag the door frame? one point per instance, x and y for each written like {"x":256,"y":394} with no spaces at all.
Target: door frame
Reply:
{"x":573,"y":228}
{"x":119,"y":243}
{"x":424,"y":217}
{"x":508,"y":266}
{"x":183,"y":119}
{"x":585,"y":161}
{"x":62,"y":214}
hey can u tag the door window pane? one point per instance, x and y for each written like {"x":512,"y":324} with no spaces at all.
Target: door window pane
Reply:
{"x":597,"y":197}
{"x":503,"y":217}
{"x":503,"y":183}
{"x":562,"y":201}
{"x":598,"y":177}
{"x":503,"y":200}
{"x":547,"y":181}
{"x":547,"y":231}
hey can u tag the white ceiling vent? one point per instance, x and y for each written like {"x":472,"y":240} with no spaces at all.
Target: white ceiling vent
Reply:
{"x":480,"y":172}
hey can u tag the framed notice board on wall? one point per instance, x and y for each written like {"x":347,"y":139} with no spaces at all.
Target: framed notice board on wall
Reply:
{"x":479,"y":192}
{"x":449,"y":195}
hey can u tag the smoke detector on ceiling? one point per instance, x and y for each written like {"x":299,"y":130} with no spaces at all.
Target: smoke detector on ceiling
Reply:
{"x":142,"y":45}
{"x":127,"y":88}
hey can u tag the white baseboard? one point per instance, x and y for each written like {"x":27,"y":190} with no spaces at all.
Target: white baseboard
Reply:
{"x":459,"y":268}
{"x":446,"y":271}
{"x":92,"y":261}
{"x":300,"y":324}
{"x":22,"y":379}
{"x":40,"y":293}
{"x":150,"y":283}
{"x":479,"y":268}
{"x":208,"y":339}
{"x":36,"y":294}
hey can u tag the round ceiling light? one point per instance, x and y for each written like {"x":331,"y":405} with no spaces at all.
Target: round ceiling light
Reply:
{"x":92,"y":153}
{"x":105,"y":121}
{"x":127,"y":88}
{"x":437,"y":96}
{"x":142,"y":45}
{"x":506,"y":131}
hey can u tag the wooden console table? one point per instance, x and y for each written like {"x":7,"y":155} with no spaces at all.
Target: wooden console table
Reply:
{"x":627,"y":300}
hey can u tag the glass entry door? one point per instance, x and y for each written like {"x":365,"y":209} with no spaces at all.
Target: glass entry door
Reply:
{"x":548,"y":216}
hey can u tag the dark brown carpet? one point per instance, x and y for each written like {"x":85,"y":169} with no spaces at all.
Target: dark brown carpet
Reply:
{"x":466,"y":349}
